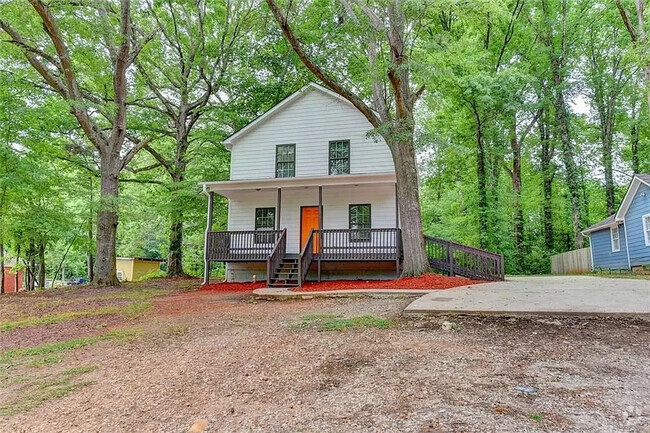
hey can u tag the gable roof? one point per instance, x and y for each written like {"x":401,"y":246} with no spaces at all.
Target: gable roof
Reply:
{"x":607,"y":222}
{"x":637,"y":180}
{"x":618,"y":217}
{"x":286,"y":102}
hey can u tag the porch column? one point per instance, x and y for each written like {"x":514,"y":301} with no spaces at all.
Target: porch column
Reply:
{"x":278,"y":207}
{"x":320,"y":224}
{"x":208,"y":229}
{"x":320,"y":208}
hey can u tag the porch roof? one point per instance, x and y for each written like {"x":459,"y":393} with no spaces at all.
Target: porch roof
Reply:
{"x":229,"y":187}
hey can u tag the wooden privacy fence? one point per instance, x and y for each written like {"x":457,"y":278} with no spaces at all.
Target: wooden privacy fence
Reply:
{"x":572,"y":262}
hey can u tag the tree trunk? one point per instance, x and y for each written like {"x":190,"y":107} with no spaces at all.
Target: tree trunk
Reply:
{"x":483,"y":225}
{"x":107,"y":219}
{"x":548,"y":172}
{"x":89,"y":253}
{"x":31,"y":265}
{"x":609,"y":174}
{"x":635,"y":147}
{"x":406,"y":173}
{"x":16,"y":278}
{"x":562,"y":124}
{"x":518,"y":226}
{"x":41,"y":265}
{"x":175,"y":257}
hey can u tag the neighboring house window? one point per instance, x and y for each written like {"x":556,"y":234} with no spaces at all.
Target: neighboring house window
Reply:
{"x":340,"y":157}
{"x":285,"y":160}
{"x":646,"y":229}
{"x":616,"y":240}
{"x":264,"y":221}
{"x":359,"y":222}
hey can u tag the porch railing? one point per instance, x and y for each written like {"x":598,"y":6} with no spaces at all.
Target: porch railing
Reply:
{"x":306,"y":258}
{"x":241,"y":246}
{"x":358,"y":244}
{"x":470,"y":262}
{"x":273,"y":260}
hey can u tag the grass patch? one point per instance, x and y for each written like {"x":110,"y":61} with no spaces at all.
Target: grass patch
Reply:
{"x":333,"y":322}
{"x":134,"y":294}
{"x":37,"y":390}
{"x":135,"y":309}
{"x":51,"y":350}
{"x":151,"y":275}
{"x":536,"y":417}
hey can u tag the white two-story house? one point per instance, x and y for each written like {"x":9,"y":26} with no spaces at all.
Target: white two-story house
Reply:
{"x":311,"y":192}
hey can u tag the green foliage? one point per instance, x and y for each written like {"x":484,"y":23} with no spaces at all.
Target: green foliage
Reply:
{"x":476,"y":81}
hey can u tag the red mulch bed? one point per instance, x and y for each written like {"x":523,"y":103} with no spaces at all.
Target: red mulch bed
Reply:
{"x":234,"y":287}
{"x":424,"y":282}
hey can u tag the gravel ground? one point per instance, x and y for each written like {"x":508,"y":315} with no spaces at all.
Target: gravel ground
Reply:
{"x":246,"y":365}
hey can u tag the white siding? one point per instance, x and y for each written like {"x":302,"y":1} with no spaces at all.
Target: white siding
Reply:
{"x":310,"y":122}
{"x":336,"y":200}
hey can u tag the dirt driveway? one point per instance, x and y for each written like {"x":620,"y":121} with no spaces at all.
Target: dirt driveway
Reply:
{"x":322,"y":365}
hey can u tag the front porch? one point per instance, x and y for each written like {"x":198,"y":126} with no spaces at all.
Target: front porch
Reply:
{"x":321,"y":246}
{"x":286,"y":228}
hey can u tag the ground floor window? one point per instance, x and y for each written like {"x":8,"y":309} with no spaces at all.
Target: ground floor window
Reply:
{"x":264,"y":221}
{"x":616,"y":240}
{"x":646,"y":229}
{"x":359,"y":215}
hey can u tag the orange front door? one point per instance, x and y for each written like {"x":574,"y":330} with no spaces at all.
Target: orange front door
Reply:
{"x":308,"y":221}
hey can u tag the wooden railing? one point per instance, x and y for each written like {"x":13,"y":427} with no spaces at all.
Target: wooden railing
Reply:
{"x":470,"y":262}
{"x":306,"y":258}
{"x":358,"y":244}
{"x":241,"y":246}
{"x":273,"y":260}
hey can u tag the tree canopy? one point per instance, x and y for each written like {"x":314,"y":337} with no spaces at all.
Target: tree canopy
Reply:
{"x":526,"y":119}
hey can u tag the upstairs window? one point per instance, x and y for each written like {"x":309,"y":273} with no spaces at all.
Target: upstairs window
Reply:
{"x":616,"y":240}
{"x":340,"y":157}
{"x":646,"y":229}
{"x":285,"y":160}
{"x":264,"y":221}
{"x":359,"y":222}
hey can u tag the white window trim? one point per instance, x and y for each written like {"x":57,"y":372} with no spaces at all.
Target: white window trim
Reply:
{"x":611,"y":235}
{"x":646,"y":234}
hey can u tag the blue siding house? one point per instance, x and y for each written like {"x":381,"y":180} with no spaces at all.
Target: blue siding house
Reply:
{"x":622,"y":240}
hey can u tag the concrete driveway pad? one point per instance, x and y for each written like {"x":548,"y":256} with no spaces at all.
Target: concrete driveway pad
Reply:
{"x":542,"y":295}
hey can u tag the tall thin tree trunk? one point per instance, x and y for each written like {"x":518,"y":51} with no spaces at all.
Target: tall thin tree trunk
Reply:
{"x":634,"y":136}
{"x":609,"y":174}
{"x":107,"y":219}
{"x":548,"y":172}
{"x":566,"y":147}
{"x":89,"y":253}
{"x":175,"y":257}
{"x":515,"y":173}
{"x":41,"y":264}
{"x":483,"y":224}
{"x":31,"y":265}
{"x":16,"y":278}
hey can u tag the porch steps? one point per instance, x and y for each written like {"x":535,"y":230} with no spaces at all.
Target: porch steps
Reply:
{"x":286,"y":274}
